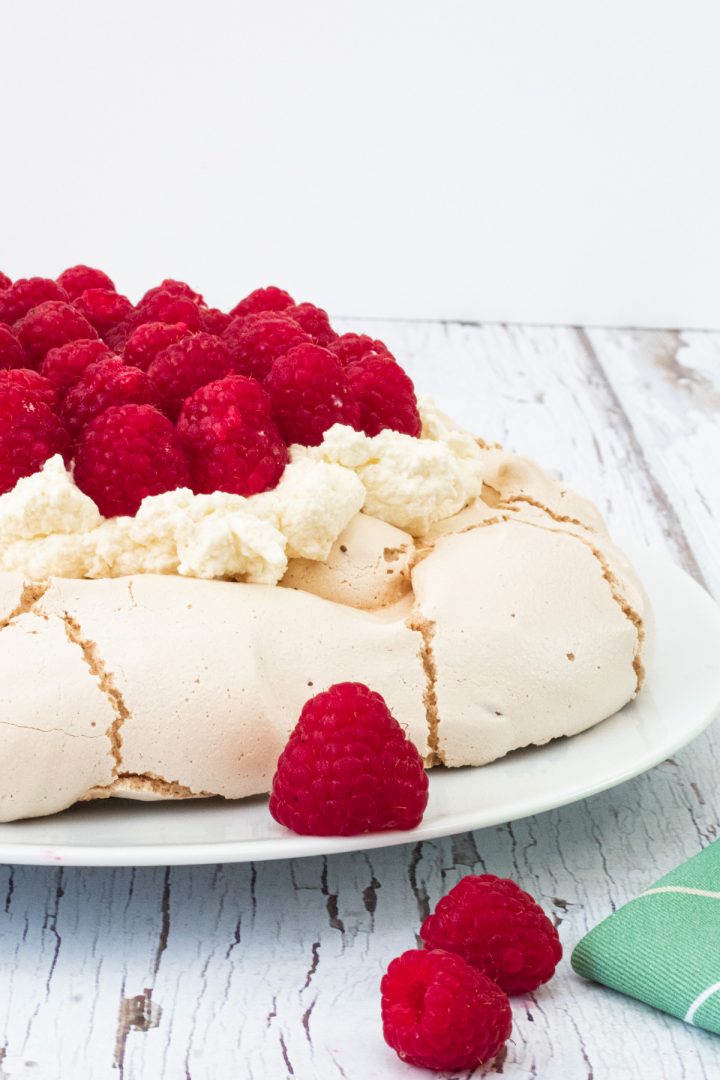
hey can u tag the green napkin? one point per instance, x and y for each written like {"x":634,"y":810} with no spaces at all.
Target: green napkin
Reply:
{"x":663,"y":947}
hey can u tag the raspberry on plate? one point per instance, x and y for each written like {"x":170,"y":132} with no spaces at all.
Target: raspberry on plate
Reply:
{"x":385,"y":396}
{"x":30,"y":433}
{"x":27,"y":293}
{"x":351,"y":347}
{"x":127,"y":453}
{"x":5,"y":281}
{"x":12,"y":353}
{"x":439,"y":1013}
{"x":64,"y":365}
{"x":230,"y":439}
{"x":151,"y":338}
{"x":499,"y":929}
{"x":256,"y":341}
{"x":314,"y":321}
{"x":106,"y":382}
{"x":76,"y":279}
{"x":184,"y":367}
{"x":32,"y":382}
{"x":348,"y":768}
{"x":103,"y":308}
{"x":49,"y":325}
{"x":309,"y":393}
{"x":268,"y":299}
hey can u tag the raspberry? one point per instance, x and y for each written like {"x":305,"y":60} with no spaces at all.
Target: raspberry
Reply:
{"x":182,"y":368}
{"x":117,"y":336}
{"x":268,"y":299}
{"x":102,"y":384}
{"x":127,"y":453}
{"x":103,"y":308}
{"x":385,"y":396}
{"x":351,"y":347}
{"x":64,"y":365}
{"x":256,"y":341}
{"x":499,"y":929}
{"x":164,"y":305}
{"x":30,"y":433}
{"x":348,"y":768}
{"x":439,"y":1013}
{"x":31,"y":382}
{"x":229,"y":438}
{"x":11,"y":351}
{"x":151,"y":338}
{"x":76,"y":279}
{"x":309,"y":393}
{"x":214,"y":321}
{"x":177,"y":288}
{"x":25,"y":294}
{"x":5,"y":281}
{"x":314,"y":321}
{"x":49,"y":325}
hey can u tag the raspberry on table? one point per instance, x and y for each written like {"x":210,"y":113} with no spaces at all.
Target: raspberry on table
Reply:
{"x":103,"y":308}
{"x":439,"y":1013}
{"x":12,"y":353}
{"x":215,"y":321}
{"x":32,"y":382}
{"x":104,"y":383}
{"x":309,"y":393}
{"x":314,"y":321}
{"x":5,"y":281}
{"x":348,"y":768}
{"x":49,"y":325}
{"x":27,"y":293}
{"x":256,"y":341}
{"x":184,"y":367}
{"x":385,"y":396}
{"x":76,"y":279}
{"x":30,"y":433}
{"x":351,"y":347}
{"x":127,"y":453}
{"x":64,"y":365}
{"x":499,"y":929}
{"x":151,"y":338}
{"x":268,"y":299}
{"x":230,"y":439}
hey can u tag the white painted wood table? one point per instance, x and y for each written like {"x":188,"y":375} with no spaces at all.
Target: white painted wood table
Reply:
{"x":271,"y":970}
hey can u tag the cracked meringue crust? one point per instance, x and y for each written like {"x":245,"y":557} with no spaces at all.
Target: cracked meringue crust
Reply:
{"x":512,"y":622}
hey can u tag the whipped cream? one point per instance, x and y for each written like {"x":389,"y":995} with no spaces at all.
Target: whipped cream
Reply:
{"x":49,"y":528}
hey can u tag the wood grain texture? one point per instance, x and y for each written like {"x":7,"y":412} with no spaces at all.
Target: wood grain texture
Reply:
{"x":271,"y":970}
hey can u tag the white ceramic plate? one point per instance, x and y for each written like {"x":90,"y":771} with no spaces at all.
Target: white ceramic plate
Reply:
{"x":680,"y":698}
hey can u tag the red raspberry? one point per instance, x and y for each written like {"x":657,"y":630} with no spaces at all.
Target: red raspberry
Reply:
{"x":256,"y":341}
{"x":27,"y":293}
{"x":151,"y":338}
{"x":385,"y":396}
{"x":5,"y":281}
{"x":229,"y":438}
{"x":499,"y":929}
{"x":348,"y":768}
{"x":76,"y":279}
{"x":268,"y":299}
{"x":182,"y":368}
{"x":309,"y":393}
{"x":105,"y":383}
{"x":177,"y":288}
{"x":64,"y":365}
{"x":31,"y":382}
{"x":103,"y":308}
{"x":117,"y":336}
{"x":127,"y":453}
{"x":30,"y":433}
{"x":164,"y":305}
{"x":215,"y":321}
{"x":11,"y":351}
{"x":314,"y":321}
{"x":49,"y":325}
{"x":439,"y":1013}
{"x":351,"y":347}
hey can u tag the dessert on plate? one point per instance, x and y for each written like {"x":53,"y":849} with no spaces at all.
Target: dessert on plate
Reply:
{"x":206,"y":518}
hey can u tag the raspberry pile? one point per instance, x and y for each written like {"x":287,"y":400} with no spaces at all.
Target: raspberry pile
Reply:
{"x":142,"y":398}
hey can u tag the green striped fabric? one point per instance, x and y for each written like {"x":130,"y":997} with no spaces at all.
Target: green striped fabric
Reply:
{"x":663,"y":947}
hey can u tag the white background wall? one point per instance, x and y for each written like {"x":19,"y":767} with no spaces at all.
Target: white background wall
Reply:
{"x":551,"y":161}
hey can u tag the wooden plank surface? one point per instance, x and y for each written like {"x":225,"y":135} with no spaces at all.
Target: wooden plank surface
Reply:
{"x":270,"y":970}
